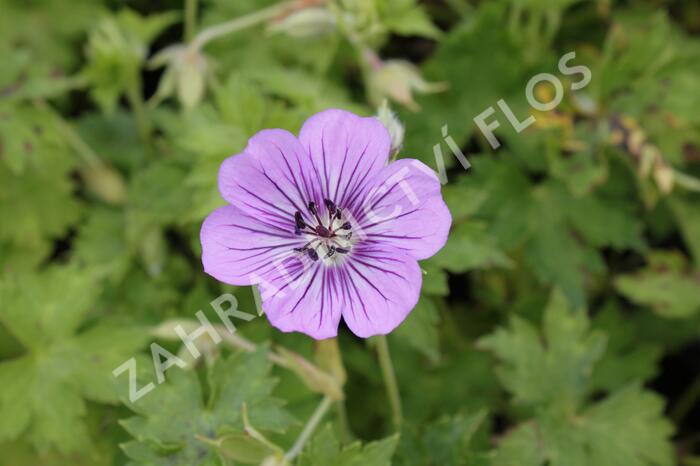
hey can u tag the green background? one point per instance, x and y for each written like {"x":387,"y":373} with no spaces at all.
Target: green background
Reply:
{"x":559,"y":326}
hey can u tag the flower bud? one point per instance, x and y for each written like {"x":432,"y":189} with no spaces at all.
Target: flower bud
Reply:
{"x":315,"y":379}
{"x":648,"y":157}
{"x":153,"y":251}
{"x":275,"y":460}
{"x":166,"y":330}
{"x":105,"y":182}
{"x":393,"y":125}
{"x":398,"y":80}
{"x":307,"y":22}
{"x":186,"y":74}
{"x":663,"y":175}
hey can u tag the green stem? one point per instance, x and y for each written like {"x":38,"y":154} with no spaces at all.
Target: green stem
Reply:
{"x":514,"y":20}
{"x":686,"y":402}
{"x":686,"y":181}
{"x":69,"y":134}
{"x":309,"y":428}
{"x":346,"y":434}
{"x":392,"y":387}
{"x":133,"y":95}
{"x":190,"y":19}
{"x":241,"y":22}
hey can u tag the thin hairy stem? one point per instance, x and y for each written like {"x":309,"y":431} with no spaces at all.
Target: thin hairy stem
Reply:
{"x":242,"y":22}
{"x":70,"y":135}
{"x":392,"y":387}
{"x":133,"y":95}
{"x":190,"y":19}
{"x":309,"y":428}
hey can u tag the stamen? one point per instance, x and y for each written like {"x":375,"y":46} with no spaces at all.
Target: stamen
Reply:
{"x":299,"y":220}
{"x":321,"y":235}
{"x":330,"y":205}
{"x":312,"y":207}
{"x":314,"y":211}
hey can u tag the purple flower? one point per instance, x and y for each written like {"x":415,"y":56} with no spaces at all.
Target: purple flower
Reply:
{"x":325,"y":226}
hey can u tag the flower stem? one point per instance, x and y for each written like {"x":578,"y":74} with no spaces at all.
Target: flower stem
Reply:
{"x":330,"y":359}
{"x":687,"y":401}
{"x":133,"y":95}
{"x":242,"y":22}
{"x":392,"y":387}
{"x":190,"y":19}
{"x":69,"y":134}
{"x":346,"y":435}
{"x":309,"y":428}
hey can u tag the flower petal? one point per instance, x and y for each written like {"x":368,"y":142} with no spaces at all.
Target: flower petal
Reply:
{"x":404,"y":208}
{"x":239,"y":249}
{"x":346,"y":150}
{"x":308,"y":301}
{"x":273,"y":178}
{"x":381,"y":283}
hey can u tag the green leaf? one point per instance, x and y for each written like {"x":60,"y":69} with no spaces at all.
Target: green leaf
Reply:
{"x":688,"y":218}
{"x":605,"y":222}
{"x":627,"y":429}
{"x":445,"y":442}
{"x":158,"y":193}
{"x":43,"y":391}
{"x":470,"y":247}
{"x":553,"y":251}
{"x":665,"y":285}
{"x":101,"y":243}
{"x":176,"y":425}
{"x":324,"y":449}
{"x":628,"y":357}
{"x":420,"y":330}
{"x":435,"y":280}
{"x":38,"y":198}
{"x":480,"y":48}
{"x":405,"y":18}
{"x":116,"y":49}
{"x":553,"y":366}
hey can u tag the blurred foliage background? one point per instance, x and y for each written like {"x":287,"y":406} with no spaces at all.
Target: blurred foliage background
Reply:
{"x":558,"y":327}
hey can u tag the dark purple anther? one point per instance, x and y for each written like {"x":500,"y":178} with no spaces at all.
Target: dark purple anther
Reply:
{"x":313,"y":255}
{"x":330,"y":205}
{"x":299,"y":221}
{"x":346,"y":226}
{"x":312,"y":207}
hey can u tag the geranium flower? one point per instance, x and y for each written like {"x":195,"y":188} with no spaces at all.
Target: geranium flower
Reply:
{"x":325,"y":226}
